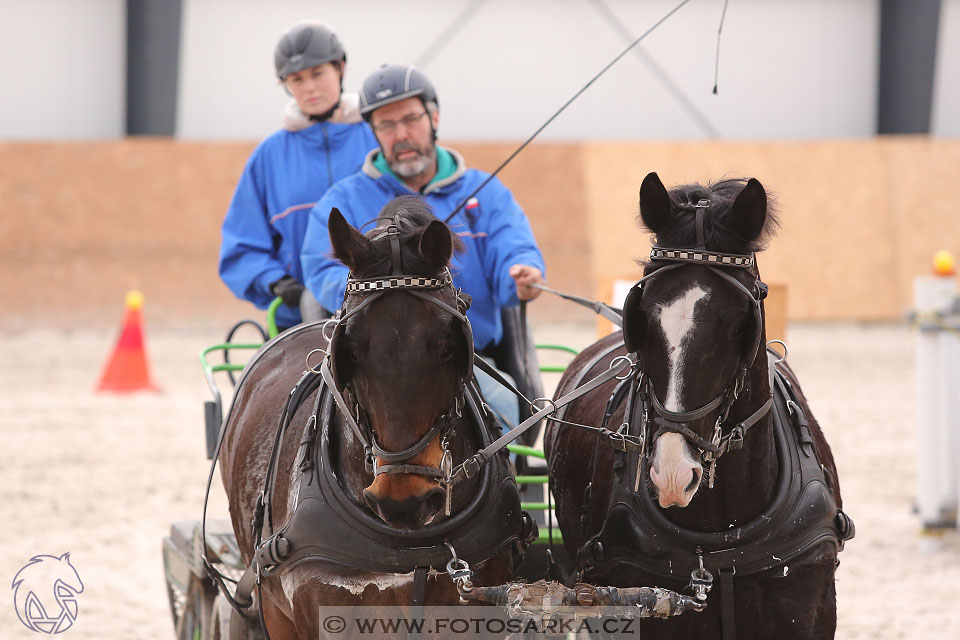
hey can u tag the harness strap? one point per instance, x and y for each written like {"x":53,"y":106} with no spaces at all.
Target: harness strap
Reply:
{"x":419,"y":586}
{"x":701,"y":240}
{"x":342,"y":404}
{"x":734,"y":440}
{"x":471,"y":465}
{"x":409,"y":452}
{"x":683,"y":416}
{"x":420,"y":470}
{"x":669,"y":426}
{"x":610,"y":313}
{"x":728,"y":618}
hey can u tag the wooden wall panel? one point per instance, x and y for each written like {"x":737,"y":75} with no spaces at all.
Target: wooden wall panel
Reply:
{"x":81,"y":223}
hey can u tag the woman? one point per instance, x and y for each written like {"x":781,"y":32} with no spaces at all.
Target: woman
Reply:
{"x":323,"y":139}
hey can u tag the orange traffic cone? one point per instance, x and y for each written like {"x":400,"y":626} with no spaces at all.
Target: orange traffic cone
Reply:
{"x":127,"y":368}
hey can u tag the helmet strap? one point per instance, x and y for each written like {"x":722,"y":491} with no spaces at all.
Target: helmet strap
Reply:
{"x":326,"y":115}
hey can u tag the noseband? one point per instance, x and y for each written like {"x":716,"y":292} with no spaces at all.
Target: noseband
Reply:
{"x":651,"y":410}
{"x":371,"y":289}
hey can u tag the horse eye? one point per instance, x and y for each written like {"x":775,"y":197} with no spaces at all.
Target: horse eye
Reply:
{"x":446,"y":351}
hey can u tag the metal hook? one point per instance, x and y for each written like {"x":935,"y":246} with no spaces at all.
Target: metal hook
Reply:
{"x":630,"y":369}
{"x":334,"y":322}
{"x":782,"y":344}
{"x":312,"y":370}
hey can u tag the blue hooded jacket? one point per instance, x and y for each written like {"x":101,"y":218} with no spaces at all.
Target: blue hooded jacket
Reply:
{"x":497,"y":235}
{"x":285,"y":176}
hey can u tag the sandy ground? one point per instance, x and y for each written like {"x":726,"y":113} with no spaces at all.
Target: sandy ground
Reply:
{"x":103,"y":476}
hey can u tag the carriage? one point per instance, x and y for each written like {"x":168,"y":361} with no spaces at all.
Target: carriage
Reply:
{"x":623,"y":447}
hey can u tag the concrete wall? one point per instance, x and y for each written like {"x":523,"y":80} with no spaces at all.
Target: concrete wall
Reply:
{"x":62,"y":69}
{"x":945,"y":121}
{"x":787,"y":69}
{"x":83,"y":223}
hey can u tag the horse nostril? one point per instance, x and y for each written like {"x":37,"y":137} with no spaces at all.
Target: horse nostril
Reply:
{"x":371,"y":500}
{"x":435,"y":501}
{"x":693,"y":482}
{"x":406,"y":513}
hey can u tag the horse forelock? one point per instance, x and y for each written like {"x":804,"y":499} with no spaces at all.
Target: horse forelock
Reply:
{"x":410,"y":214}
{"x":682,"y":231}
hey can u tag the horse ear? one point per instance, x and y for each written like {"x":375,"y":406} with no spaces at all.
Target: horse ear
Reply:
{"x":349,"y":245}
{"x":749,"y":211}
{"x":436,"y":245}
{"x":633,"y":320}
{"x":654,"y":203}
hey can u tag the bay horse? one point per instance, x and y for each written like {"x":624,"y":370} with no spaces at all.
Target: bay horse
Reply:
{"x":730,"y":474}
{"x":349,"y":505}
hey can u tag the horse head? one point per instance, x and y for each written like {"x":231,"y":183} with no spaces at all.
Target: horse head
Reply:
{"x":402,"y":356}
{"x":696,"y":321}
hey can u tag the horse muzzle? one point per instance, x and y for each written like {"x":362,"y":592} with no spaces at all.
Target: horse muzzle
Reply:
{"x":405,"y":501}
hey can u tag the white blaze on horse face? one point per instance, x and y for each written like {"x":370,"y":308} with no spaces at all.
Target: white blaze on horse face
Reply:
{"x":676,"y":322}
{"x":673,"y":469}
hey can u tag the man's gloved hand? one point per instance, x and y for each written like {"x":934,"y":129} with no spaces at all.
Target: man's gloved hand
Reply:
{"x":524,"y":275}
{"x":288,"y":289}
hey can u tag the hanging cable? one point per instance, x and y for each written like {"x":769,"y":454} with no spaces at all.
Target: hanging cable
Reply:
{"x":716,"y":66}
{"x":565,"y":105}
{"x":458,"y":23}
{"x":657,"y":71}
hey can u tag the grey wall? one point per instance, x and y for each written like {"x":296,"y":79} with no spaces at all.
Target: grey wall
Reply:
{"x":62,"y":69}
{"x":946,"y":89}
{"x":788,"y":69}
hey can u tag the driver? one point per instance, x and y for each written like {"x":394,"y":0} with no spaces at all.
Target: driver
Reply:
{"x":323,"y":139}
{"x":502,"y":258}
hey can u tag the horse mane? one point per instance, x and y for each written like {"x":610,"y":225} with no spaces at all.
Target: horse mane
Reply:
{"x":410,"y":213}
{"x":682,"y":232}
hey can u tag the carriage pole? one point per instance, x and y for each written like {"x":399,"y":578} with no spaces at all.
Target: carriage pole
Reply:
{"x":936,"y":316}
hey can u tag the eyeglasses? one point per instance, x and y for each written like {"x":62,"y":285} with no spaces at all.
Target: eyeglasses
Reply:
{"x":389,"y":126}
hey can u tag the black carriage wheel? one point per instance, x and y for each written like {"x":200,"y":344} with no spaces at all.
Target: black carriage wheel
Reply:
{"x":173,"y":598}
{"x":197,"y":610}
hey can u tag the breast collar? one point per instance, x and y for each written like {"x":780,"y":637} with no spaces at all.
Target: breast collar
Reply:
{"x":636,"y":535}
{"x":328,"y":525}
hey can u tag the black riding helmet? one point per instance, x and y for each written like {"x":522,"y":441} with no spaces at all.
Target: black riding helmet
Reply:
{"x":305,"y":45}
{"x":392,"y":83}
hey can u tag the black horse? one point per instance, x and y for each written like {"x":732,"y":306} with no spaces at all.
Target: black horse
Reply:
{"x":351,"y":504}
{"x":706,"y":405}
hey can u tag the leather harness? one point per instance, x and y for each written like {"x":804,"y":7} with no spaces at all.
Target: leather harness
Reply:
{"x":636,"y":533}
{"x":327,"y":524}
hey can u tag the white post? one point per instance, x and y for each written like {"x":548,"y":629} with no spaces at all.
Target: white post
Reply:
{"x":938,"y":432}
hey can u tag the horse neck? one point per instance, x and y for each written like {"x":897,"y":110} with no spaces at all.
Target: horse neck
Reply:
{"x":746,"y":479}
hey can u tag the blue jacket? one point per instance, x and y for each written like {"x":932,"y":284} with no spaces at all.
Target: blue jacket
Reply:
{"x":283,"y":179}
{"x":498,"y":236}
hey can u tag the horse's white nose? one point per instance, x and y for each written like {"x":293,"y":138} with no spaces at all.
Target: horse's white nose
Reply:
{"x":674,"y":473}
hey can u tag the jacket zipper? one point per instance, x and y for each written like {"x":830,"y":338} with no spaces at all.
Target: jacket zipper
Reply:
{"x":326,"y":146}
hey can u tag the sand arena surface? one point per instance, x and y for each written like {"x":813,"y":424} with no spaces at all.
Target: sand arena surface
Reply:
{"x":103,"y":476}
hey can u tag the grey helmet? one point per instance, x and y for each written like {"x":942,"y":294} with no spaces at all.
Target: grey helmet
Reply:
{"x":304,"y":45}
{"x":392,"y":83}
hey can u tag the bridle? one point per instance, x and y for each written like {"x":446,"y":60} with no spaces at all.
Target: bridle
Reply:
{"x":369,"y":290}
{"x":649,"y":410}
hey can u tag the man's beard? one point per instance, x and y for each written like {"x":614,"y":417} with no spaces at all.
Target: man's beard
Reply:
{"x":415,"y":166}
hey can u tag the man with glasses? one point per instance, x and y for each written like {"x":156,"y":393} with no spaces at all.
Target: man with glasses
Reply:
{"x":502,"y":259}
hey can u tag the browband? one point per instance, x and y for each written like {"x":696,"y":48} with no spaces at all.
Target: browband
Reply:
{"x":366,"y":285}
{"x":697,"y":255}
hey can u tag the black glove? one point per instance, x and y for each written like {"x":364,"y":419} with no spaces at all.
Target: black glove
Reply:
{"x":288,"y":289}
